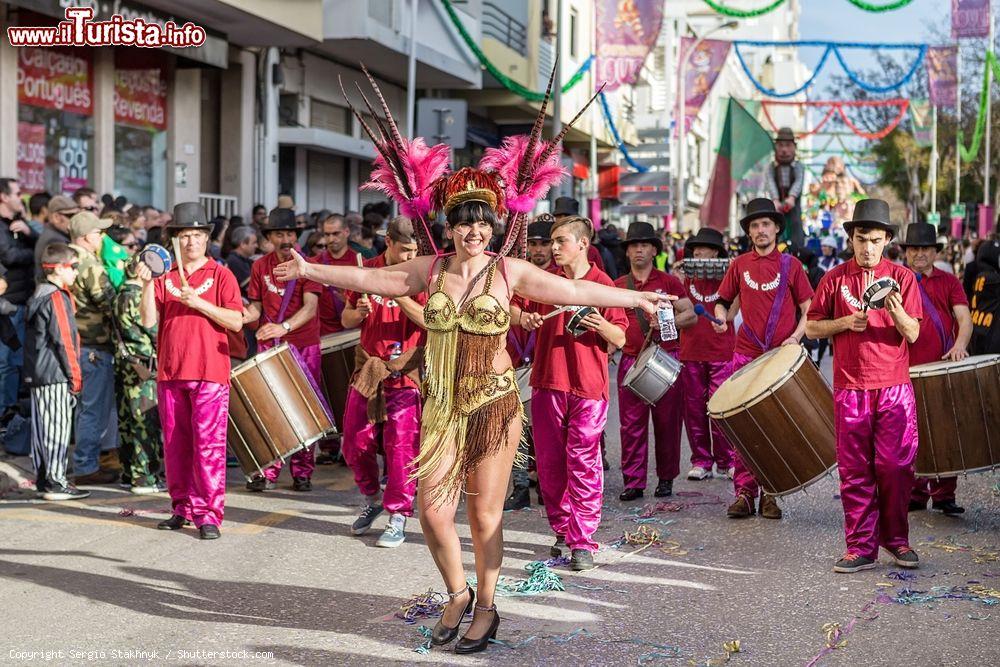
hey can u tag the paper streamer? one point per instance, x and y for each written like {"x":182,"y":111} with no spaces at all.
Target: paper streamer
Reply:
{"x":767,"y":9}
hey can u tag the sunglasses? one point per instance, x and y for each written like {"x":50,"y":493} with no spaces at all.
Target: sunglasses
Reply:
{"x":320,"y":246}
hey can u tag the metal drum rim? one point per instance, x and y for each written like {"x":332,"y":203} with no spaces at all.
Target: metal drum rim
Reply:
{"x":257,"y":359}
{"x":769,"y":391}
{"x":983,"y":362}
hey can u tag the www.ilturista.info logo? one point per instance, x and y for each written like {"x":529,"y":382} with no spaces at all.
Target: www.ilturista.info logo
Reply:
{"x":80,"y":30}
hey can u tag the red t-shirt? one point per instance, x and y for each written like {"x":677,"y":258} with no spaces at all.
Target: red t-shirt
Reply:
{"x":190,"y":346}
{"x":577,"y":366}
{"x":945,"y":292}
{"x":594,"y":257}
{"x":878,"y":356}
{"x":270,"y":292}
{"x":658,"y":281}
{"x":387,"y":324}
{"x":700,"y":342}
{"x":331,"y":300}
{"x":754,"y":278}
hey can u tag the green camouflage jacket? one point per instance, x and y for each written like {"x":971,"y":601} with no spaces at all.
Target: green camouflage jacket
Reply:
{"x":137,"y":341}
{"x":93,"y":293}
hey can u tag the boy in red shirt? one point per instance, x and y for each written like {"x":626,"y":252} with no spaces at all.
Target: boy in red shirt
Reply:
{"x":641,"y":246}
{"x":774,"y":296}
{"x":289,"y":313}
{"x":706,"y":355}
{"x":945,"y":332}
{"x":383,"y":402}
{"x":569,"y":403}
{"x":192,"y":377}
{"x":874,"y":411}
{"x":337,"y":252}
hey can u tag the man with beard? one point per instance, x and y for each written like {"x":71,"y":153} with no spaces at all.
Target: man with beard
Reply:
{"x":289,"y":314}
{"x":337,"y":252}
{"x":944,"y":334}
{"x":784,"y":180}
{"x":874,"y":410}
{"x":774,"y":294}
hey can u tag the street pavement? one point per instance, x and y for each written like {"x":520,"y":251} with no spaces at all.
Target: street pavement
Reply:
{"x":287,"y":584}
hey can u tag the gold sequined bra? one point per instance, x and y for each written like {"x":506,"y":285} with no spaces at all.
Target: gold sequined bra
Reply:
{"x":483,"y":315}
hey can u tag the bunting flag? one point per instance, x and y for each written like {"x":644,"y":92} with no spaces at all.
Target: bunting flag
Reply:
{"x":625,"y":34}
{"x":840,"y":107}
{"x":703,"y":66}
{"x":970,"y":18}
{"x":742,"y":146}
{"x":942,"y":75}
{"x":920,"y":116}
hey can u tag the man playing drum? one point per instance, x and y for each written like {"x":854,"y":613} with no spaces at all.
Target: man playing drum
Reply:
{"x":705,"y":354}
{"x":289,"y":313}
{"x":194,"y":310}
{"x":383,"y":403}
{"x":944,"y":334}
{"x":774,"y":296}
{"x":875,"y":415}
{"x":641,"y":245}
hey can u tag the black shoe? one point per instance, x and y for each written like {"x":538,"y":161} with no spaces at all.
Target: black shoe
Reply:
{"x":208,"y":532}
{"x":518,"y":499}
{"x":466,"y":645}
{"x":852,"y":563}
{"x":176,"y":522}
{"x":442,"y":634}
{"x":556,"y":550}
{"x":260,"y":484}
{"x":664,"y":489}
{"x":604,"y":462}
{"x":541,"y":501}
{"x":917,"y":505}
{"x":905,"y":557}
{"x":949,"y":507}
{"x":581,"y":560}
{"x":302,"y":484}
{"x":68,"y":492}
{"x":630,"y":494}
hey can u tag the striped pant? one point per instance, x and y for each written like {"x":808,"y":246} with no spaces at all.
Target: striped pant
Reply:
{"x":51,"y":427}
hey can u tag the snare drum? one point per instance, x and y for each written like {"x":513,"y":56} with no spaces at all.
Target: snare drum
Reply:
{"x":874,"y":297}
{"x":156,"y":258}
{"x":655,"y":370}
{"x":274,"y":411}
{"x":338,"y":368}
{"x":574,"y":324}
{"x":778,"y":413}
{"x":523,"y":376}
{"x":958,"y":415}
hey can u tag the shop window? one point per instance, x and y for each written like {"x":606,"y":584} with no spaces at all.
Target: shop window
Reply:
{"x":140,"y":102}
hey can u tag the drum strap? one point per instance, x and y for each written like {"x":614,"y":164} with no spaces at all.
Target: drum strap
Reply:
{"x":785,"y":264}
{"x":946,"y":339}
{"x":286,"y":298}
{"x":643,"y":320}
{"x":523,"y":353}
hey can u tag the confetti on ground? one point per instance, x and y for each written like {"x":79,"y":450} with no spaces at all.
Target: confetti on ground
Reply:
{"x":835,"y":635}
{"x":425,"y":646}
{"x":899,"y":575}
{"x":980,"y":555}
{"x":429,"y":604}
{"x":540,"y":580}
{"x":976,"y":593}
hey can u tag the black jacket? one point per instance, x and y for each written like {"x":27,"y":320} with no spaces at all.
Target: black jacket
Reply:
{"x":18,"y":255}
{"x":52,"y":344}
{"x":240,"y":266}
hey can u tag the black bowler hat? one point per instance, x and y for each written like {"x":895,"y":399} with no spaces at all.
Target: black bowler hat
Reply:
{"x":762,"y":208}
{"x":278,"y":219}
{"x":541,"y":228}
{"x":566,"y":206}
{"x":785,"y":134}
{"x":921,"y":235}
{"x":190,"y":215}
{"x":642,"y":232}
{"x":709,"y":237}
{"x":870,"y":214}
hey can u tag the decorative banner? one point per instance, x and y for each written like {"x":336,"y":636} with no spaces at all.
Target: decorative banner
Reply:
{"x":31,"y":157}
{"x":703,"y":67}
{"x":970,"y":18}
{"x":610,"y":121}
{"x":840,"y":108}
{"x":141,"y":98}
{"x":920,"y":116}
{"x":716,"y":5}
{"x":626,"y":31}
{"x":942,"y":75}
{"x":969,"y":154}
{"x":55,"y":78}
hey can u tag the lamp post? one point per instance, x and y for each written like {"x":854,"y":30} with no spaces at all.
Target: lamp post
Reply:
{"x":681,"y":197}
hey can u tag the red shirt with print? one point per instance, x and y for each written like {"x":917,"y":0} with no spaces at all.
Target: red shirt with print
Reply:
{"x":190,"y":346}
{"x":575,"y":365}
{"x":387,"y":324}
{"x":700,"y":342}
{"x":877,"y":357}
{"x":270,"y":292}
{"x":331,"y":300}
{"x":754,"y":278}
{"x":945,"y":292}
{"x":658,"y":281}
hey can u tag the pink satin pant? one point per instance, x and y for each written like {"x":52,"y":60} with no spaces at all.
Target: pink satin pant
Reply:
{"x":302,"y":462}
{"x":567,"y":432}
{"x":634,"y":413}
{"x":193,"y":416}
{"x":744,"y":482}
{"x":940,"y":490}
{"x":400,"y":436}
{"x":709,"y":444}
{"x":876,"y":447}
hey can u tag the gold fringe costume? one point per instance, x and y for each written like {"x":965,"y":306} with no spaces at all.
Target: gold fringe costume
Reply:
{"x":468,"y":407}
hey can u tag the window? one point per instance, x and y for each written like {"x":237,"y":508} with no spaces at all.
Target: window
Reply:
{"x":574,"y":23}
{"x":329,"y":117}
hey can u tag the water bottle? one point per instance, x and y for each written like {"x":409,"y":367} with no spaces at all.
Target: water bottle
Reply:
{"x":395,"y":351}
{"x":665,"y":317}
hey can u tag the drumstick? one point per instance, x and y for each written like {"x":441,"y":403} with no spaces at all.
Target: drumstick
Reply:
{"x":558,"y":310}
{"x":180,"y":261}
{"x":357,"y":256}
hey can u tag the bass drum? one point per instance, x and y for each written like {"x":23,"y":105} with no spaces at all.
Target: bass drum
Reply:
{"x":338,"y":368}
{"x":958,"y":415}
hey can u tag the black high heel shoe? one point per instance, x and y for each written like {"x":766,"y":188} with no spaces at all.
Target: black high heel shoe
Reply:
{"x":442,"y":634}
{"x":465,"y":645}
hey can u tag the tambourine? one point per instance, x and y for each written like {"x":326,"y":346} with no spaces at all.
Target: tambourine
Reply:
{"x":156,"y":258}
{"x":875,"y":296}
{"x":574,"y":325}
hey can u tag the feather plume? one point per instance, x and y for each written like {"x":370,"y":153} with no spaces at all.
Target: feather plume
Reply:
{"x":422,"y":165}
{"x":511,"y":160}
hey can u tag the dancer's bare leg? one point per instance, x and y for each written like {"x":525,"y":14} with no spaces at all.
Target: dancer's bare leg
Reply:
{"x":438,"y":524}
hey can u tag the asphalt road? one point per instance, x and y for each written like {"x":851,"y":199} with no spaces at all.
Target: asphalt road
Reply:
{"x":90,"y":581}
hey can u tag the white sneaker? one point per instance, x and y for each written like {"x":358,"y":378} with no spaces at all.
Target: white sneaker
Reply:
{"x":698,"y":473}
{"x":394,"y":533}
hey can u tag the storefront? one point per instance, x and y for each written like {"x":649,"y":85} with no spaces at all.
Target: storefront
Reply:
{"x":140,"y":127}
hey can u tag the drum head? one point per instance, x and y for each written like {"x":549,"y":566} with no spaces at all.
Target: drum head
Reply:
{"x":340,"y":340}
{"x":946,"y":367}
{"x":156,"y":258}
{"x":756,"y":378}
{"x":254,"y":361}
{"x":874,"y":296}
